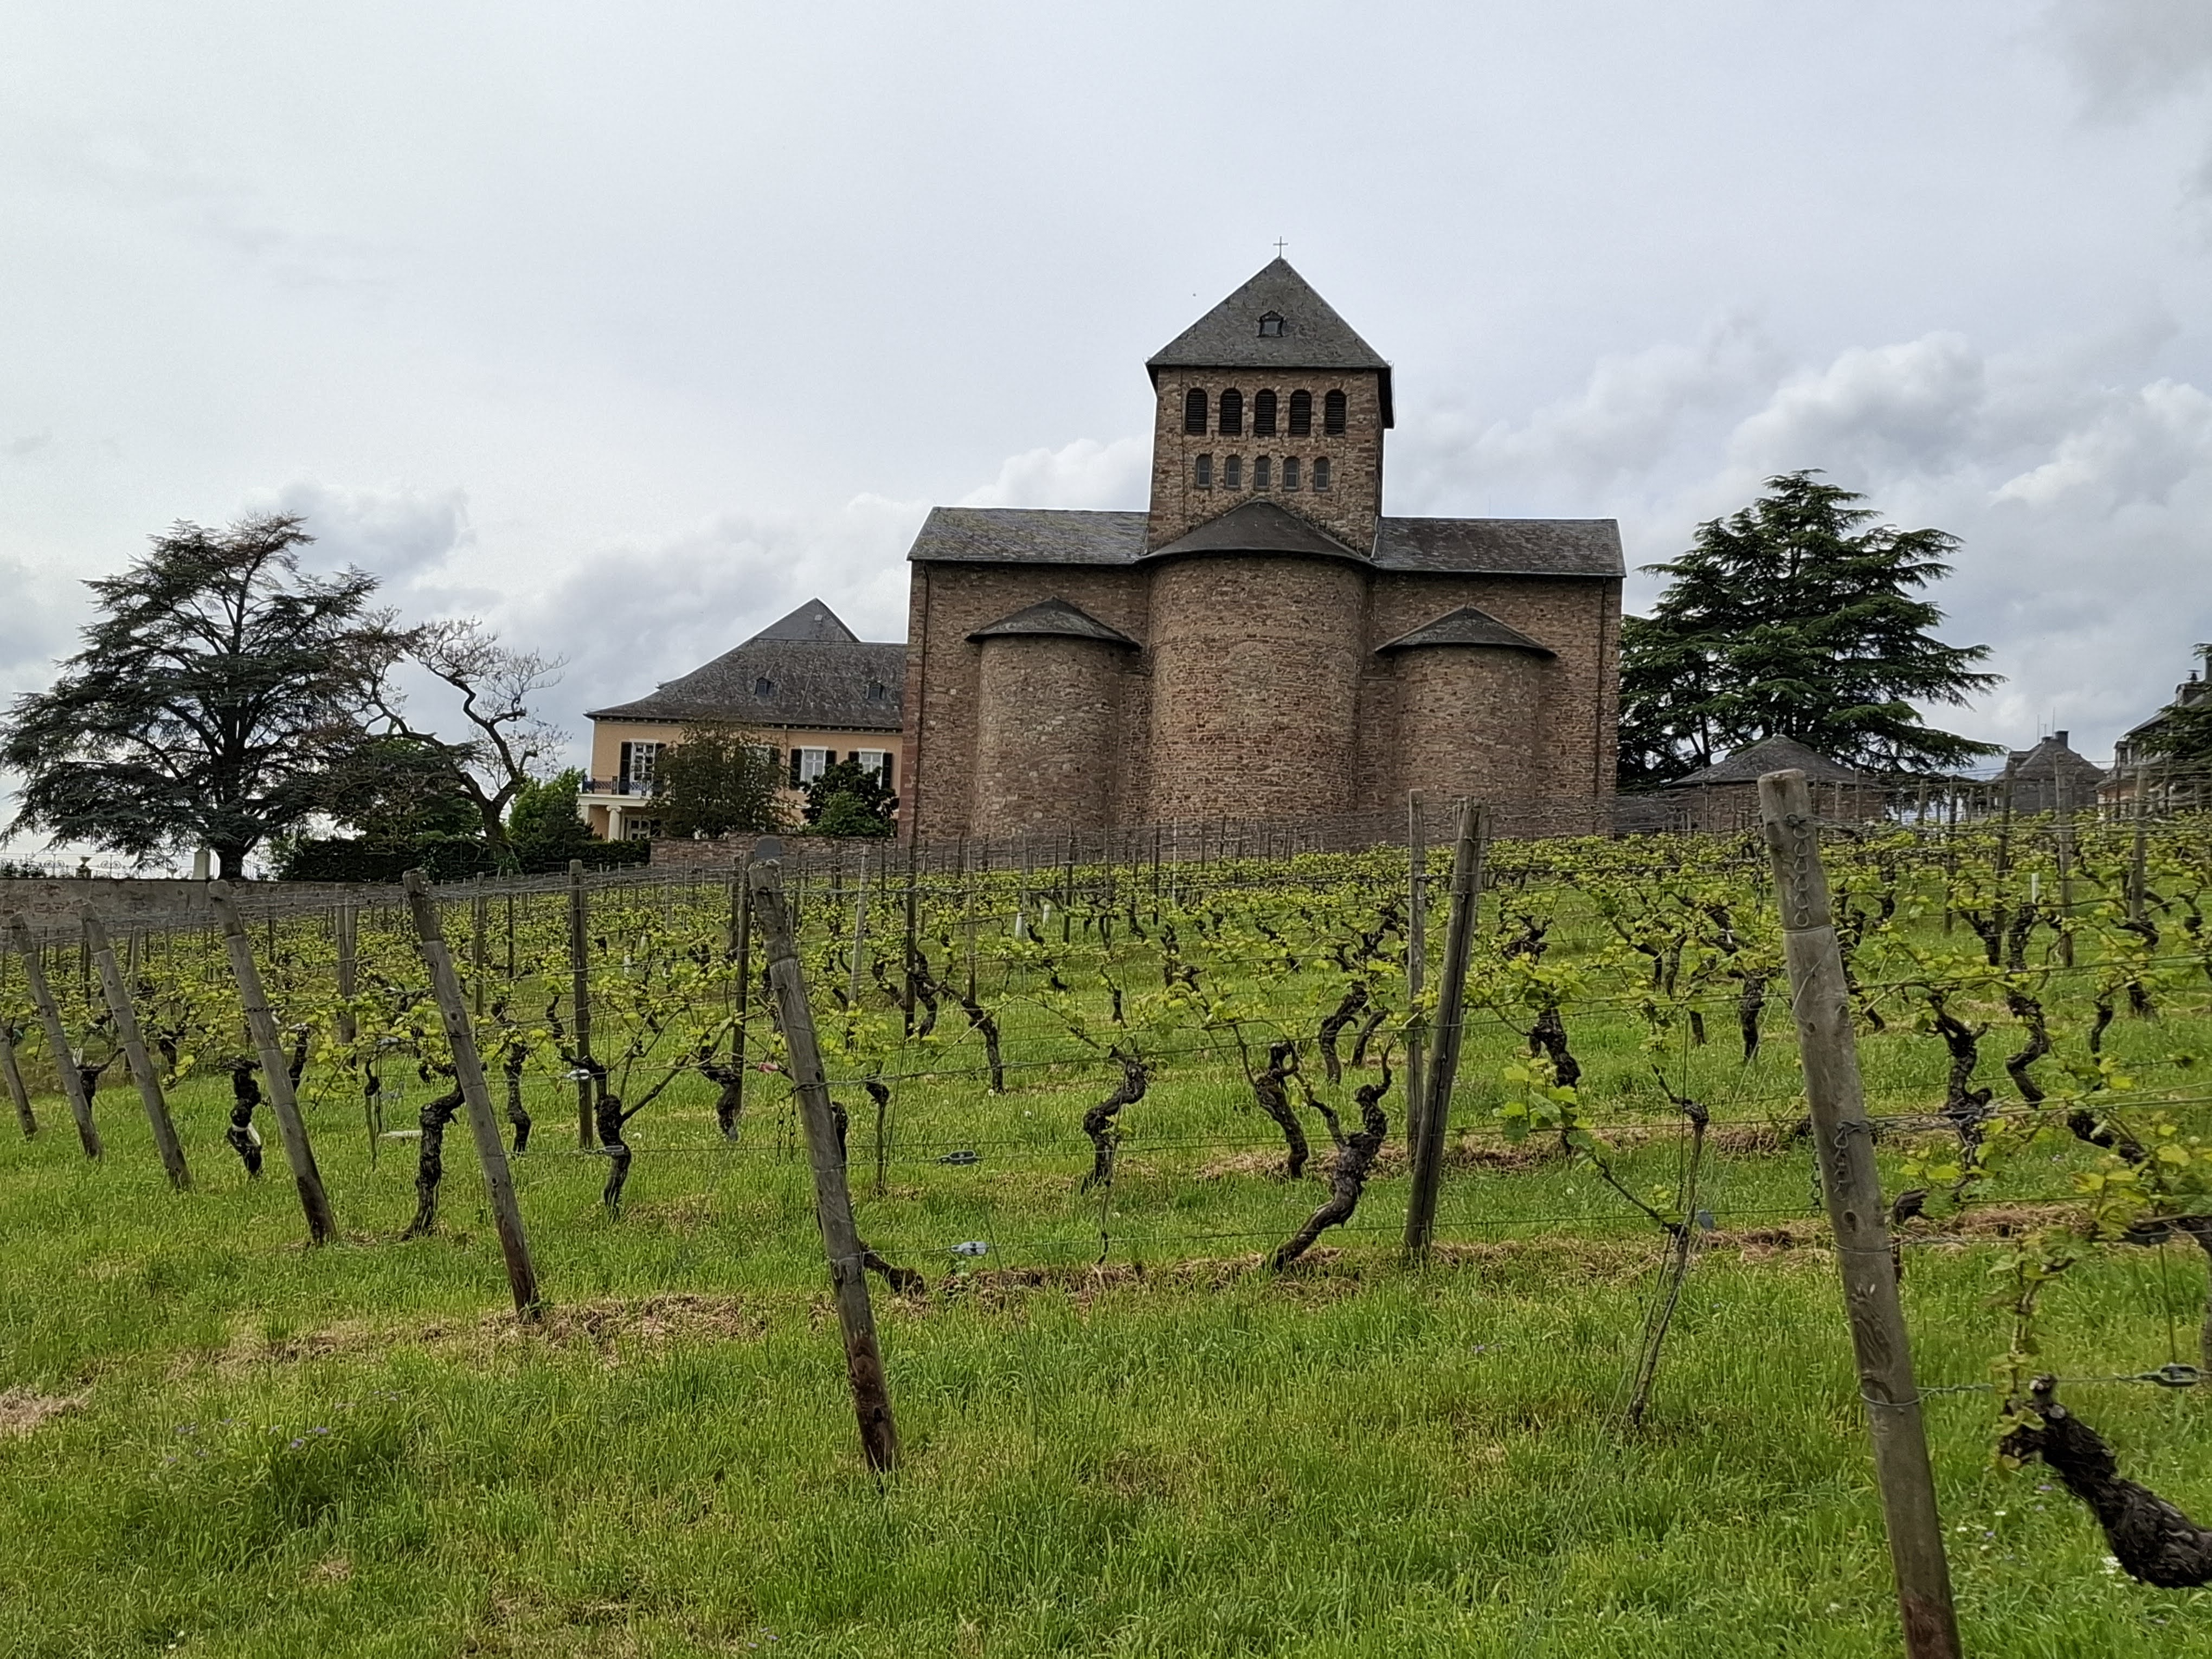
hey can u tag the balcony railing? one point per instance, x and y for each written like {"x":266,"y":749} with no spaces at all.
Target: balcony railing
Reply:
{"x":638,"y":787}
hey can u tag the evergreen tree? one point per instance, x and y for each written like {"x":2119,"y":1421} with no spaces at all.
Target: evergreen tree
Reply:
{"x":1796,"y":616}
{"x":216,"y":691}
{"x":850,"y":800}
{"x":719,"y":778}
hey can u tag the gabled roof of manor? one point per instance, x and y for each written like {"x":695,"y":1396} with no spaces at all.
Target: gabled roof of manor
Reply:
{"x":1035,"y":536}
{"x":807,"y":669}
{"x":1312,"y":335}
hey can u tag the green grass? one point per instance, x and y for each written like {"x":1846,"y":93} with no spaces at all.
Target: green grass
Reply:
{"x":1355,"y":1460}
{"x":354,"y":1450}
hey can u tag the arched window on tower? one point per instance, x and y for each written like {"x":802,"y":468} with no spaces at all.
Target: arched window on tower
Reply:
{"x":1289,"y":472}
{"x":1263,"y":473}
{"x":1332,"y":413}
{"x":1320,"y":472}
{"x":1201,"y":471}
{"x":1263,"y":414}
{"x":1232,"y":472}
{"x":1193,"y":412}
{"x":1232,"y":413}
{"x":1301,"y":414}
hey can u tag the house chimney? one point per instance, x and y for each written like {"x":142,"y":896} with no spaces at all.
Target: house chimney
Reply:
{"x":2061,"y":737}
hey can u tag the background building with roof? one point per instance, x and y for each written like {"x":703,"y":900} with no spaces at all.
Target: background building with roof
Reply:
{"x":1724,"y":796}
{"x":1263,"y":642}
{"x":808,"y":685}
{"x":2142,"y":772}
{"x":2048,"y":778}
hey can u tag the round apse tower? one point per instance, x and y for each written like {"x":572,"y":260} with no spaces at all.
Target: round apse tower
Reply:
{"x":1470,"y":696}
{"x":1258,"y":624}
{"x":1048,"y":719}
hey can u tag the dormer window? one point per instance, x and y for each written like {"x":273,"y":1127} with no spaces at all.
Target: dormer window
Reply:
{"x":878,"y":691}
{"x":763,"y":687}
{"x":1271,"y":326}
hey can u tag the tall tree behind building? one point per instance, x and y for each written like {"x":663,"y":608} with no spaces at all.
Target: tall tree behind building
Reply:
{"x":1797,"y":615}
{"x":216,"y":690}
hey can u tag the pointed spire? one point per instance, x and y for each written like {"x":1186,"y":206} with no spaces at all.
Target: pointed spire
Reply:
{"x":1274,"y":321}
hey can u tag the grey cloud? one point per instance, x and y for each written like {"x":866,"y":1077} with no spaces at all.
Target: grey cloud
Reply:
{"x":2131,"y":54}
{"x":396,"y":534}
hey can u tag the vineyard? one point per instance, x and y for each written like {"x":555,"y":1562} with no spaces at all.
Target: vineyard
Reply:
{"x":1127,"y":1141}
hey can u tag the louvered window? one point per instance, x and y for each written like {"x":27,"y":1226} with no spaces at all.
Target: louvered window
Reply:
{"x":1263,"y":414}
{"x":1201,"y":471}
{"x":1193,"y":412}
{"x":1232,"y":413}
{"x":1301,"y":414}
{"x":1320,"y":472}
{"x":1332,"y":413}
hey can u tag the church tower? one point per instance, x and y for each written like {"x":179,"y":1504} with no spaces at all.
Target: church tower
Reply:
{"x":1270,"y":397}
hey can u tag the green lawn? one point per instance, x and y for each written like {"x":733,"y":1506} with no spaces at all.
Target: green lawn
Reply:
{"x":353,"y":1450}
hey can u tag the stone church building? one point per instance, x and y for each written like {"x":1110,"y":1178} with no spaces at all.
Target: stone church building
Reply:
{"x":1263,"y":642}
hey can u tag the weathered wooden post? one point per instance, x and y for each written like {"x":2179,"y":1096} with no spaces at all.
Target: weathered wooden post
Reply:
{"x":833,"y":1202}
{"x":276,"y":1071}
{"x":579,"y":1001}
{"x":2135,"y":852}
{"x":19,"y":1094}
{"x":50,"y":1021}
{"x":1417,"y":959}
{"x":476,"y":1093}
{"x":741,"y":946}
{"x":344,"y":925}
{"x":479,"y":958}
{"x":1444,"y":1040}
{"x":2063,"y":830}
{"x":1843,"y":1144}
{"x":142,"y":1072}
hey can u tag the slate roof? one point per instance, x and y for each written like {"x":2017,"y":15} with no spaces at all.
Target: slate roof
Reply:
{"x":1313,"y":336}
{"x":1502,"y":547}
{"x":2044,"y":761}
{"x":1467,"y":626}
{"x":1772,"y":755}
{"x":818,"y":672}
{"x":1053,"y":618}
{"x":1484,"y":547}
{"x":1257,"y":526}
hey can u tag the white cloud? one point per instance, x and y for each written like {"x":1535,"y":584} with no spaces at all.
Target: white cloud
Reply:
{"x":1082,"y":474}
{"x":395,"y":534}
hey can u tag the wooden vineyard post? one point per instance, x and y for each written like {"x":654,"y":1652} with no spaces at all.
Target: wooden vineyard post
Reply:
{"x":2063,"y":829}
{"x":859,"y":937}
{"x":1844,"y":1148}
{"x":50,"y":1020}
{"x":276,"y":1073}
{"x":479,"y":918}
{"x":343,"y":924}
{"x":468,"y":1072}
{"x":579,"y":1001}
{"x":833,"y":1202}
{"x":741,"y":946}
{"x":1443,"y":1040}
{"x":134,"y":1053}
{"x":19,"y":1095}
{"x":1417,"y":959}
{"x":913,"y":916}
{"x":2135,"y":852}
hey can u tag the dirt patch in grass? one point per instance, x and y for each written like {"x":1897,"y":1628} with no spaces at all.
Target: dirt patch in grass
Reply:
{"x":22,"y":1410}
{"x":615,"y":1328}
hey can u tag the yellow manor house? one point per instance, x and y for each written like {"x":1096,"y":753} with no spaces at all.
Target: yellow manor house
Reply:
{"x":807,"y":684}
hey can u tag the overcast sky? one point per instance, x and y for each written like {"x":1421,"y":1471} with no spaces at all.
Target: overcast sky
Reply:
{"x":629,"y":327}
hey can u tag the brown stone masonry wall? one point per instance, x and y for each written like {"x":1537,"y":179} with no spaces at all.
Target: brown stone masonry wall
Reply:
{"x":1256,"y":666}
{"x":1346,"y":509}
{"x":1577,"y":618}
{"x":1469,"y":721}
{"x":944,"y":686}
{"x":1047,"y":732}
